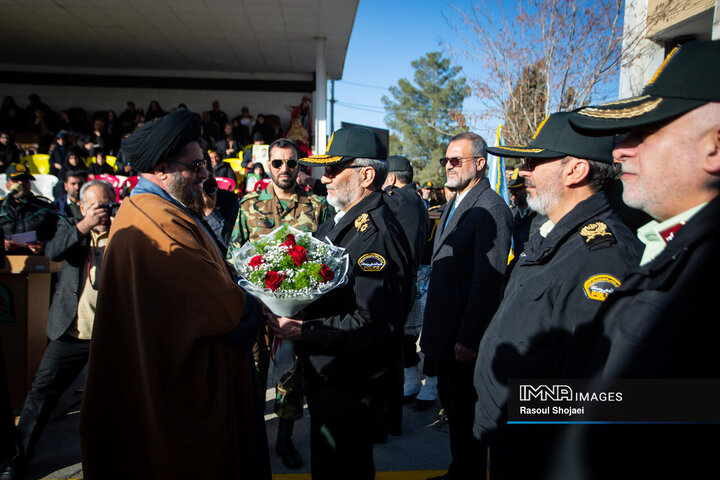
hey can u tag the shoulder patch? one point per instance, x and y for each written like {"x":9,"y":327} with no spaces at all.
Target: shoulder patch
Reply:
{"x":361,"y":222}
{"x":372,"y":262}
{"x":598,"y":287}
{"x":596,"y":233}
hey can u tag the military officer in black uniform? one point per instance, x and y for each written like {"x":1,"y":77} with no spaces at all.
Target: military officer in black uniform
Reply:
{"x":569,"y":267}
{"x":662,"y":323}
{"x":351,"y":336}
{"x":23,"y":212}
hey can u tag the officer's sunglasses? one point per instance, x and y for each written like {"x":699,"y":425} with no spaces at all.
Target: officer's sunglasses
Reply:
{"x":278,"y":163}
{"x":455,"y":161}
{"x":332,"y":171}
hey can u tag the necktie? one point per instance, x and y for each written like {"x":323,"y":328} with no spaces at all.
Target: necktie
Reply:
{"x":450,"y":214}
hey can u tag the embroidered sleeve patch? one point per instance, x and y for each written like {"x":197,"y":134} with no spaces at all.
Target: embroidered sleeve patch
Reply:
{"x":372,"y":262}
{"x":598,"y":287}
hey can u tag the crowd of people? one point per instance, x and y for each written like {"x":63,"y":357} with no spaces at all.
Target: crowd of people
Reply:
{"x":558,"y":286}
{"x":72,"y":132}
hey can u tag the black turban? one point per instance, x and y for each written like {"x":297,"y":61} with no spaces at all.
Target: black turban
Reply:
{"x":159,"y":139}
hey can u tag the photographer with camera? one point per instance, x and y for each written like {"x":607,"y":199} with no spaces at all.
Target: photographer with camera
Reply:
{"x":80,"y":245}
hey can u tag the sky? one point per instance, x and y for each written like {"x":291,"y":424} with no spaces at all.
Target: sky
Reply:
{"x":386,"y":37}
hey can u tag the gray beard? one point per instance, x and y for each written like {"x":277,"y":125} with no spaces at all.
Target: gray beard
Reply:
{"x":183,"y":192}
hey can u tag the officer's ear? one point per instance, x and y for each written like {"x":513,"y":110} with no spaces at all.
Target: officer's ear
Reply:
{"x":367,"y":177}
{"x":575,"y":171}
{"x":711,"y":159}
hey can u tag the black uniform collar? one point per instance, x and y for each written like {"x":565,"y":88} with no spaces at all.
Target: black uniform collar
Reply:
{"x":367,"y":204}
{"x":371,"y":202}
{"x":591,"y":207}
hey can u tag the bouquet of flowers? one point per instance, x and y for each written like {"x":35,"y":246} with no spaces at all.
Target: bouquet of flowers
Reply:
{"x":288,"y":269}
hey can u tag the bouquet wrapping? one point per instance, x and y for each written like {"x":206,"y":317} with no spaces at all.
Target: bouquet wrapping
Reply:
{"x":288,"y":269}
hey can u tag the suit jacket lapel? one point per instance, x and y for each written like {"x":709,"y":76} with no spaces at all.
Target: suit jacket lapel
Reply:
{"x":466,"y":204}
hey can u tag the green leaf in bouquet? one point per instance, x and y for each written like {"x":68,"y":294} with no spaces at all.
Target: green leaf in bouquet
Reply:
{"x":257,"y":277}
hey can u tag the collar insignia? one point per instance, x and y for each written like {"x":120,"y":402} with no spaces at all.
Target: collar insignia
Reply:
{"x":593,"y":230}
{"x":361,"y":222}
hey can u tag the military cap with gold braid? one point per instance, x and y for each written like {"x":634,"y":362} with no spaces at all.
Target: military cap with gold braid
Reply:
{"x":347,"y":144}
{"x":687,"y":79}
{"x":555,"y":138}
{"x":18,"y":171}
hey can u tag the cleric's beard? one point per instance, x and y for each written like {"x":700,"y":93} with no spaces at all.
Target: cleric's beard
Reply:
{"x":184,"y":192}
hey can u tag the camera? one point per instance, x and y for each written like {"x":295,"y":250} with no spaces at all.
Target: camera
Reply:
{"x":111,"y":208}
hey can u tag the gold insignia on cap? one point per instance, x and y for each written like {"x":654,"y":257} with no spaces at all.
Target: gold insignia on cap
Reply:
{"x":664,"y":64}
{"x":361,"y":222}
{"x":330,"y":141}
{"x":372,"y":262}
{"x":521,"y":148}
{"x":598,"y":287}
{"x":540,"y":127}
{"x":593,"y":230}
{"x":629,"y":112}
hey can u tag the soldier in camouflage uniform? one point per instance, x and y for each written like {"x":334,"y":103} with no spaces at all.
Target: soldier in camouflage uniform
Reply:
{"x":281,"y":202}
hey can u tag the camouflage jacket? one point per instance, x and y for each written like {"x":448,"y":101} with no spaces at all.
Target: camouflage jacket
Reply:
{"x":261,"y":213}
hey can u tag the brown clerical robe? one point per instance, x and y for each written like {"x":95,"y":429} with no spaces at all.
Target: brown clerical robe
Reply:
{"x":167,"y":396}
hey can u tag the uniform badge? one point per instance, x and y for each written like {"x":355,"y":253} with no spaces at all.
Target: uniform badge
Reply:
{"x":593,"y":230}
{"x":598,"y":287}
{"x":371,"y":262}
{"x":361,"y":222}
{"x":596,"y":233}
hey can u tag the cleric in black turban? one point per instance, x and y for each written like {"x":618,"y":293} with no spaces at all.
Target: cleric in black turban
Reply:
{"x":159,"y":139}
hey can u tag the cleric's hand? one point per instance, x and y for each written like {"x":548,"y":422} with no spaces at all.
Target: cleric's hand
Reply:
{"x":287,"y":328}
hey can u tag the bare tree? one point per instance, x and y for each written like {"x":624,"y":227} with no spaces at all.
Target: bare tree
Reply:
{"x":572,"y":47}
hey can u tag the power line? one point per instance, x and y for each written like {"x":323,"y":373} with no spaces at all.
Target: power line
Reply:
{"x":363,"y":85}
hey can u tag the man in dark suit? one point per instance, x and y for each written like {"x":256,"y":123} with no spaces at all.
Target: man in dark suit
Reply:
{"x":469,"y":259}
{"x":68,"y":204}
{"x":80,"y":246}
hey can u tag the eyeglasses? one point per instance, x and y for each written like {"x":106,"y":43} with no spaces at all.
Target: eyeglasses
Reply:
{"x":332,"y":171}
{"x":455,"y":161}
{"x":197,"y":165}
{"x":278,"y":163}
{"x":530,"y":163}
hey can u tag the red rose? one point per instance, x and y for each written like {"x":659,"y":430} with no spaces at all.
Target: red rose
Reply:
{"x":326,"y":273}
{"x":256,"y":261}
{"x":298,"y":255}
{"x":273,"y":280}
{"x":289,"y":240}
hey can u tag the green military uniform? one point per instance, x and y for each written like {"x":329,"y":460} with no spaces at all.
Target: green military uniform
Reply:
{"x":260,"y":213}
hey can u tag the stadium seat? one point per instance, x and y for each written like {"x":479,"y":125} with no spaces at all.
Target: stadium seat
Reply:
{"x":127,"y":185}
{"x":112,"y":161}
{"x":226,"y":183}
{"x":43,"y":185}
{"x":38,"y":164}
